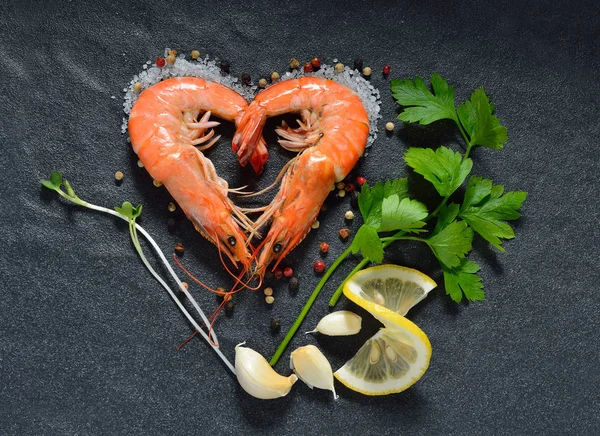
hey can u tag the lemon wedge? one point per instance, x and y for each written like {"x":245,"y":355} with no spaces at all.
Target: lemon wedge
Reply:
{"x":398,"y":354}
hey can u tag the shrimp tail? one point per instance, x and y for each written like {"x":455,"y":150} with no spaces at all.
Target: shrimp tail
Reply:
{"x":248,"y":137}
{"x":259,"y":156}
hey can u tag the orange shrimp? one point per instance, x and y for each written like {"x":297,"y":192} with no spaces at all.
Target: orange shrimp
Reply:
{"x":331,"y":136}
{"x":164,"y":129}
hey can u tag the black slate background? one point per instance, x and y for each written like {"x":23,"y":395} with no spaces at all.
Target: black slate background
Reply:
{"x":88,"y":339}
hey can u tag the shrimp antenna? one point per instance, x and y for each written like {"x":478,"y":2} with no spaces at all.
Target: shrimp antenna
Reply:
{"x":190,"y":275}
{"x":277,"y":180}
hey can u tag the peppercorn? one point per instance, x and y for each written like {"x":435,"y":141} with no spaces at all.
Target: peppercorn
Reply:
{"x":344,"y":233}
{"x":262,"y":83}
{"x":319,"y":266}
{"x":268,"y":291}
{"x":389,"y":126}
{"x":270,"y":299}
{"x":316,"y":62}
{"x":185,"y":285}
{"x":308,"y":68}
{"x":246,"y":79}
{"x":354,"y":200}
{"x":349,"y":215}
{"x":358,"y":64}
{"x":315,"y":224}
{"x":172,"y":207}
{"x":278,"y":273}
{"x":339,"y":67}
{"x":229,"y":307}
{"x":367,"y":71}
{"x":137,"y":87}
{"x":386,"y":69}
{"x":172,"y":53}
{"x":195,"y":54}
{"x":160,"y":62}
{"x":119,"y":176}
{"x":341,"y":193}
{"x":293,"y":284}
{"x":179,"y":247}
{"x":340,"y":185}
{"x":275,"y":325}
{"x":294,"y":63}
{"x":324,"y":247}
{"x":157,"y":183}
{"x":360,"y":180}
{"x":171,"y":59}
{"x":274,"y":76}
{"x":350,"y":187}
{"x":140,"y":164}
{"x":288,"y":271}
{"x":225,"y":66}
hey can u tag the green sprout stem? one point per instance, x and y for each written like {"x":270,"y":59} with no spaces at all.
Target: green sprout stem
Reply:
{"x":133,"y":229}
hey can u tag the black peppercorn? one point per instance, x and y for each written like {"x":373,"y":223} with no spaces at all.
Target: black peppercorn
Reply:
{"x":229,"y":307}
{"x":293,"y":284}
{"x":358,"y":64}
{"x":225,"y":66}
{"x":246,"y":79}
{"x":354,"y":200}
{"x":275,"y":325}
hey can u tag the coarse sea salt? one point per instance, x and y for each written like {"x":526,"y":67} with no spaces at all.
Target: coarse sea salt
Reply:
{"x":209,"y":69}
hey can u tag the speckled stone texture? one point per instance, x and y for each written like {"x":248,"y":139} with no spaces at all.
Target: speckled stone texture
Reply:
{"x":88,"y":339}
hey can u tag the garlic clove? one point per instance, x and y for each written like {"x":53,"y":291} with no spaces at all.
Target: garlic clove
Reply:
{"x":256,"y":376}
{"x":313,"y":368}
{"x":340,"y":323}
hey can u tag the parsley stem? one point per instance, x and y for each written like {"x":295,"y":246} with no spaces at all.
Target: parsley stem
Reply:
{"x":290,"y":334}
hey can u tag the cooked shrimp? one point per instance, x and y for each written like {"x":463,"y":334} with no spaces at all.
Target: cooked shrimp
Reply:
{"x":167,"y":136}
{"x":331,"y":137}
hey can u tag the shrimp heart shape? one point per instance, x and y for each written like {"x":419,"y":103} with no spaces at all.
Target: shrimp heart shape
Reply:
{"x":169,"y":137}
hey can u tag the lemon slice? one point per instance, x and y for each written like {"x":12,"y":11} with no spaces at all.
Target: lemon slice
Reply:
{"x":398,"y":355}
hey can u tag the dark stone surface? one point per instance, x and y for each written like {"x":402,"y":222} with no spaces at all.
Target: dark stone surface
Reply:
{"x":87,"y":337}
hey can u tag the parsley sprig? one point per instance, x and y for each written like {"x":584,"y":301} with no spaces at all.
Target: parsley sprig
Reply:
{"x":131,"y":213}
{"x":390,"y":214}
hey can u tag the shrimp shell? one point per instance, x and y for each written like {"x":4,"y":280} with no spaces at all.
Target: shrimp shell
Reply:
{"x":331,"y":137}
{"x":164,"y":129}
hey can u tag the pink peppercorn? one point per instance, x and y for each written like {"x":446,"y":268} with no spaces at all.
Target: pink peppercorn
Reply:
{"x":308,"y":68}
{"x":350,"y":187}
{"x":288,"y":271}
{"x":316,"y":62}
{"x":319,"y":266}
{"x":360,"y":180}
{"x":160,"y":62}
{"x":386,"y":69}
{"x":324,"y":247}
{"x":278,"y":273}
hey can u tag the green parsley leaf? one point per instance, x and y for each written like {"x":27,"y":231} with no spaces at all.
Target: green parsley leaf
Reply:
{"x":396,"y":186}
{"x":370,"y":199}
{"x":447,"y":214}
{"x":451,"y":244}
{"x":483,"y":128}
{"x":420,"y":104}
{"x":405,"y":214}
{"x":486,"y":206}
{"x":443,"y":168}
{"x":464,"y":280}
{"x":369,"y":204}
{"x":368,"y":243}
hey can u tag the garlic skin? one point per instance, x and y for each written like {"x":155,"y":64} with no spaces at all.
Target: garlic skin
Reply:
{"x":340,"y":323}
{"x":313,"y":368}
{"x":256,"y":376}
